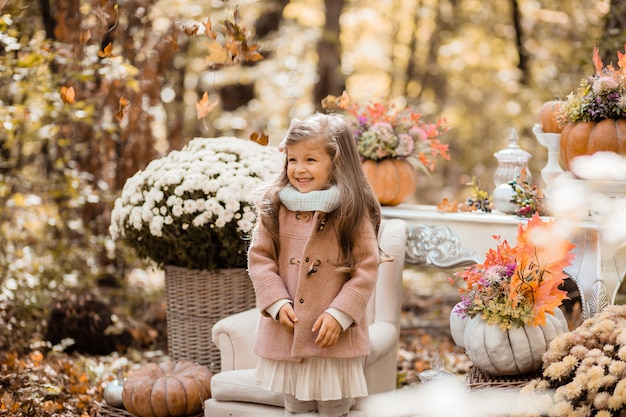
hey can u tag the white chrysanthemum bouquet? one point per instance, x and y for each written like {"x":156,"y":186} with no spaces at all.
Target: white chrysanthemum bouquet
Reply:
{"x":193,"y":208}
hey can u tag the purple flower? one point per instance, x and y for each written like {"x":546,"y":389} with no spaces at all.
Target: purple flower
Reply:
{"x":510,"y":270}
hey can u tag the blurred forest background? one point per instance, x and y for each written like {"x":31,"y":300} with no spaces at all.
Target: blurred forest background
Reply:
{"x":93,"y":90}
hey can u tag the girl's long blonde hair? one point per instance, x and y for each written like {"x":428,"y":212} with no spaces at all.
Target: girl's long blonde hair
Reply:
{"x":357,"y":200}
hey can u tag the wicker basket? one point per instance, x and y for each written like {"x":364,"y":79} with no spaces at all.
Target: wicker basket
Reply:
{"x":196,"y":300}
{"x":109,"y":411}
{"x":478,"y":379}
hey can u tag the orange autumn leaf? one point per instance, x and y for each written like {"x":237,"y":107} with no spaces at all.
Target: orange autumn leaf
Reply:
{"x":447,"y":206}
{"x":331,"y":102}
{"x":208,"y":29}
{"x":68,"y":95}
{"x":542,"y":257}
{"x":504,"y":254}
{"x":232,"y":48}
{"x":540,"y":239}
{"x":438,"y":148}
{"x":191,"y":30}
{"x":251,"y":54}
{"x":597,"y":61}
{"x":621,"y":58}
{"x":260,"y":137}
{"x":121,"y":111}
{"x":107,"y":52}
{"x":217,"y":56}
{"x":426,"y":162}
{"x":204,"y":107}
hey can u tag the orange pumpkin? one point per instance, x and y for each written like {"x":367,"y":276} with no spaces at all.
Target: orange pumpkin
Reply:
{"x":549,"y":117}
{"x":587,"y":138}
{"x":393,"y":180}
{"x":173,"y":388}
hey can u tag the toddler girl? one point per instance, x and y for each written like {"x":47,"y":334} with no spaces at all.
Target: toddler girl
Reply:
{"x":313,"y":262}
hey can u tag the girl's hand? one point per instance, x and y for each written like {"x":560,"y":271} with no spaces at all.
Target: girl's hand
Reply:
{"x":329,"y":330}
{"x":287,"y":317}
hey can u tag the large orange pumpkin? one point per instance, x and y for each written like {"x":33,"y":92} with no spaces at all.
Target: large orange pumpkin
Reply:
{"x":393,"y":180}
{"x":549,"y":117}
{"x":587,"y":138}
{"x":173,"y":388}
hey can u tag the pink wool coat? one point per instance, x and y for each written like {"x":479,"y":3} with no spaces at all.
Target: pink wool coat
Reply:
{"x":305,"y":273}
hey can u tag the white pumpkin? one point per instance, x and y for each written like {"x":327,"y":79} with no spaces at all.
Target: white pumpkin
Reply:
{"x":457,"y":328}
{"x":517,"y":351}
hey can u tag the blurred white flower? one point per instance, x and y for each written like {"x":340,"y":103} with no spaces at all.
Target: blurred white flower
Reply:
{"x":600,"y":166}
{"x":447,"y":397}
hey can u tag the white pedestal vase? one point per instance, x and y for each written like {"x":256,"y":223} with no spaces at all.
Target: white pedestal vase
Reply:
{"x":552,"y":141}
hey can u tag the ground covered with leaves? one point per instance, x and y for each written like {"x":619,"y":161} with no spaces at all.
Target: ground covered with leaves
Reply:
{"x":49,"y":380}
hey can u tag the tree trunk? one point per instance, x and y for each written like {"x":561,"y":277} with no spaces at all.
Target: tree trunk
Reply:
{"x":329,"y":51}
{"x":46,"y":17}
{"x":613,"y":35}
{"x":522,"y":63}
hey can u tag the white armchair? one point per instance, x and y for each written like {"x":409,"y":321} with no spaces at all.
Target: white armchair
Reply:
{"x":234,"y":391}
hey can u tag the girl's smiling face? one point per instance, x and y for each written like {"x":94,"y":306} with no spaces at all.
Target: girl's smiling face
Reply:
{"x":308,"y":165}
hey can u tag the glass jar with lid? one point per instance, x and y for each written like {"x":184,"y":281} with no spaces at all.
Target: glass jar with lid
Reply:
{"x":511,"y":161}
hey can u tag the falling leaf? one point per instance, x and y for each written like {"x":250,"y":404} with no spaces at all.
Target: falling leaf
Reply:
{"x":331,"y":102}
{"x":234,"y":31}
{"x":233,"y":47}
{"x":208,"y":29}
{"x":237,"y":15}
{"x":122,"y":109}
{"x":260,"y":137}
{"x":204,"y":107}
{"x":68,"y":95}
{"x":217,"y":56}
{"x":251,"y":53}
{"x":191,"y":30}
{"x":107,"y":52}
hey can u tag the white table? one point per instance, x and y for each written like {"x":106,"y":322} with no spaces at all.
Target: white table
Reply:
{"x":448,"y":240}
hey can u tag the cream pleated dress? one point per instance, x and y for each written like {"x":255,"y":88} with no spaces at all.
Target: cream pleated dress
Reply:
{"x":314,"y":379}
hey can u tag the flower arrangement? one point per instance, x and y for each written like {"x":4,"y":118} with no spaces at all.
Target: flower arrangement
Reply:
{"x":517,"y":285}
{"x":387,"y":130}
{"x":528,"y":198}
{"x":193,"y":208}
{"x":584,"y":371}
{"x":599,"y":96}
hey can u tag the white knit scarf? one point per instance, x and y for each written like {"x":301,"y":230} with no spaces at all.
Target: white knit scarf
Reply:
{"x":320,"y":200}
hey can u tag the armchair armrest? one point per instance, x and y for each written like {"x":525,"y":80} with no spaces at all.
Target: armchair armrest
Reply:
{"x":383,"y":339}
{"x":234,"y":336}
